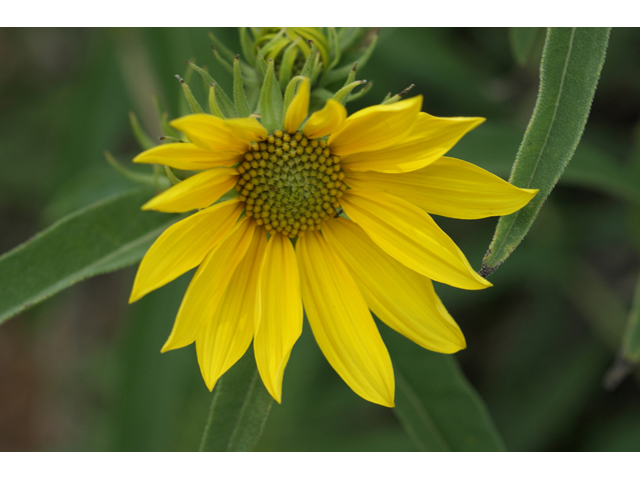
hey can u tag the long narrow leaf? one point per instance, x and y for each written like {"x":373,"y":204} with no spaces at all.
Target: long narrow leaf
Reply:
{"x":435,"y":404}
{"x":631,"y":340}
{"x":522,"y":40}
{"x":103,"y":237}
{"x":239,"y":409}
{"x":571,"y":64}
{"x":629,"y":354}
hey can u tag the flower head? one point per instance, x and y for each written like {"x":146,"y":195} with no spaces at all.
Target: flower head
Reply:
{"x":331,"y":215}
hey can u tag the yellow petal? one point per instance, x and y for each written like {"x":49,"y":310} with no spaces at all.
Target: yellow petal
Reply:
{"x":218,"y":134}
{"x":187,"y":156}
{"x":400,"y":297}
{"x":183,"y":246}
{"x":281,"y":313}
{"x":298,"y":108}
{"x":449,"y":187}
{"x":430,"y":138}
{"x":208,"y":285}
{"x":198,"y":191}
{"x":376,"y":127}
{"x":341,"y":322}
{"x":326,"y":121}
{"x":248,"y":129}
{"x":226,"y":338}
{"x":411,"y":236}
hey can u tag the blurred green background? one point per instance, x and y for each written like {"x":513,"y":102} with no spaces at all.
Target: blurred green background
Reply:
{"x":82,"y":371}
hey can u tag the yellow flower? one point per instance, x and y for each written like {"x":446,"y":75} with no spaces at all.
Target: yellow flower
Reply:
{"x":383,"y":167}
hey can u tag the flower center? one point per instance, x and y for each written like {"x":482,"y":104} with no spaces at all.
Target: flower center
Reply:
{"x":290,"y":183}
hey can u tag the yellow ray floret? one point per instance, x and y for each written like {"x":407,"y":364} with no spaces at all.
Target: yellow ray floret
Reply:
{"x":326,"y":121}
{"x":376,"y":127}
{"x":208,"y":285}
{"x":400,"y":297}
{"x":430,"y":138}
{"x":280,"y":322}
{"x":168,"y":258}
{"x":187,"y":156}
{"x":450,"y":188}
{"x":412,"y":237}
{"x":198,"y":191}
{"x":216,"y":134}
{"x":227,"y":336}
{"x":297,"y":111}
{"x":342,"y":324}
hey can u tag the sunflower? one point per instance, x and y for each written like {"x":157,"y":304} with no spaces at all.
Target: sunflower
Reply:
{"x":330,"y":217}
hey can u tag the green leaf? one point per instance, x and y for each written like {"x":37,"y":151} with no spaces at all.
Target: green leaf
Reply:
{"x":522,"y":40}
{"x":247,"y":45}
{"x":344,"y":71}
{"x":141,"y":136}
{"x":335,"y":52}
{"x":226,"y":106}
{"x":184,"y":106}
{"x":342,"y":94}
{"x":275,"y":40}
{"x":286,"y":64}
{"x":239,"y":409}
{"x":222,"y":47}
{"x":606,"y":315}
{"x":226,"y":65}
{"x":164,"y":118}
{"x":103,"y":237}
{"x":271,"y":102}
{"x":242,"y":106}
{"x":203,"y":73}
{"x":631,"y":339}
{"x":194,"y":106}
{"x":397,"y":97}
{"x":213,"y":103}
{"x":597,"y":303}
{"x":347,"y":36}
{"x":629,"y":354}
{"x":361,"y":93}
{"x":319,"y":39}
{"x":171,"y":176}
{"x":435,"y":403}
{"x":352,"y":74}
{"x":262,"y":63}
{"x":152,"y":180}
{"x":571,"y":64}
{"x":317,"y":68}
{"x":309,"y":62}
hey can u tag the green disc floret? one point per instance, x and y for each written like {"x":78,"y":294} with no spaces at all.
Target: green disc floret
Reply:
{"x":289,"y":183}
